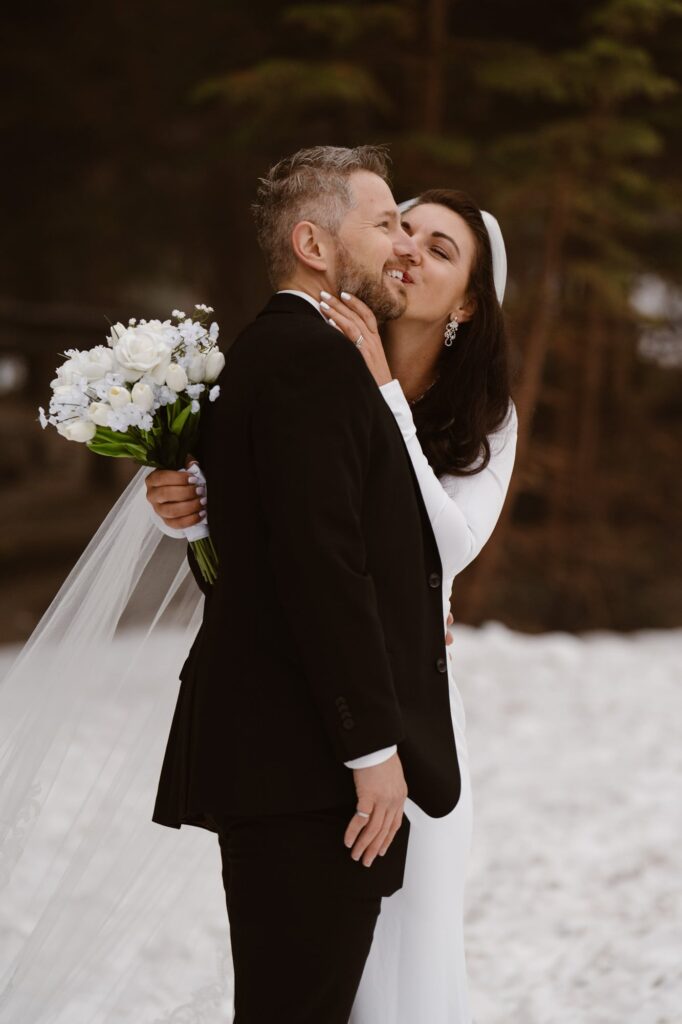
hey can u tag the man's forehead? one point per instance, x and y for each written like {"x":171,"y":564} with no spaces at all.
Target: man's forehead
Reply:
{"x":372,"y":194}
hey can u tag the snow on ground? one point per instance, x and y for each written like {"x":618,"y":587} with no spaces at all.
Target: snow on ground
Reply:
{"x":574,"y":913}
{"x":573,"y":909}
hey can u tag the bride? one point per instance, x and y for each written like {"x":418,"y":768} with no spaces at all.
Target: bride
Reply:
{"x":442,"y":368}
{"x":107,"y":918}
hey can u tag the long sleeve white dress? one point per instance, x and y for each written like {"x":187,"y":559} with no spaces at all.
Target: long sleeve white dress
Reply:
{"x":416,"y":969}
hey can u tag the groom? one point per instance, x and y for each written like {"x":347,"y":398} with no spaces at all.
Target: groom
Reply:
{"x":316,"y":690}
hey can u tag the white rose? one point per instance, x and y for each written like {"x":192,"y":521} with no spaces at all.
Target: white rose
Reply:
{"x":118,"y":397}
{"x":66,"y":392}
{"x":92,"y":364}
{"x":143,"y":396}
{"x":77,"y":430}
{"x":115,"y":333}
{"x":215,"y":361}
{"x":67,"y":373}
{"x":176,"y":378}
{"x":143,"y":349}
{"x":98,"y":412}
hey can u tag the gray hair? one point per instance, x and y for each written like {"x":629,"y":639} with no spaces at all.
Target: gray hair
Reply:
{"x":313,"y":184}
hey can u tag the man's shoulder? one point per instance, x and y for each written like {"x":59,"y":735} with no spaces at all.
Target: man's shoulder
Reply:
{"x":292,"y":336}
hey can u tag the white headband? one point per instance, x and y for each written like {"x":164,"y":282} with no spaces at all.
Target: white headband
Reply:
{"x":496,"y":245}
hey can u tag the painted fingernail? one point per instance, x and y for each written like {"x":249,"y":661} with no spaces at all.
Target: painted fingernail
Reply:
{"x":325,"y":305}
{"x":201,"y":489}
{"x":203,"y":501}
{"x":325,"y":295}
{"x":193,"y":479}
{"x":368,"y":863}
{"x":333,"y":323}
{"x":345,"y":296}
{"x":381,"y":853}
{"x":203,"y":514}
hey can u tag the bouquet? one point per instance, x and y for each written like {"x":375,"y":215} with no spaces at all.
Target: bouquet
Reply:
{"x":140,"y":397}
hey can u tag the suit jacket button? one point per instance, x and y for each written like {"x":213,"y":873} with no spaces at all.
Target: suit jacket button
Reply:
{"x":348,"y":723}
{"x":441,"y":665}
{"x":434,"y":580}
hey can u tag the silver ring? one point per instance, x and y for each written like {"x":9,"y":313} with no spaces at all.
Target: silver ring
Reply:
{"x":363,"y":814}
{"x":359,"y":341}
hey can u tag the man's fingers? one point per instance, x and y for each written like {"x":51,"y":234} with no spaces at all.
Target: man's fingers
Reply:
{"x":375,"y":826}
{"x":180,"y":524}
{"x":380,"y":840}
{"x":161,"y":496}
{"x":178,"y":509}
{"x":395,"y":825}
{"x":165,"y":478}
{"x":355,"y":825}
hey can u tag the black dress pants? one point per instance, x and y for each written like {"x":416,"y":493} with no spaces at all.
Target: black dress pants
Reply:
{"x":302,"y":913}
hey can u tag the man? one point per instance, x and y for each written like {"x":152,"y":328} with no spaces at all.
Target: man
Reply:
{"x":297,"y":733}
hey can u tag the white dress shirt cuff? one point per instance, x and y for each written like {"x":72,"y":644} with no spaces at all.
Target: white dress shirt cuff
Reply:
{"x":376,"y":757}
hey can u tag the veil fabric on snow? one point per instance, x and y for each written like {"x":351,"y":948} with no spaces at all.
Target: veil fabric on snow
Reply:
{"x":92,"y":891}
{"x":99,"y":902}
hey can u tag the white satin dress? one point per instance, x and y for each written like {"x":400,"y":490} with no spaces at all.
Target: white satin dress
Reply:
{"x":416,"y":969}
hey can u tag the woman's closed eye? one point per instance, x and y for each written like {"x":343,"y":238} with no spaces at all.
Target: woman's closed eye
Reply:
{"x":441,"y":252}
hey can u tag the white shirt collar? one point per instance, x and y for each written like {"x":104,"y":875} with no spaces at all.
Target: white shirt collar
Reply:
{"x":303,"y":295}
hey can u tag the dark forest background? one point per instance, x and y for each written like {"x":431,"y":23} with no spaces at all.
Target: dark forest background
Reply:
{"x":132,"y":138}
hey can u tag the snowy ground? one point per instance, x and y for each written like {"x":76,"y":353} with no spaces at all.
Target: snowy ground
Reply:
{"x":574,"y":909}
{"x":574,"y":912}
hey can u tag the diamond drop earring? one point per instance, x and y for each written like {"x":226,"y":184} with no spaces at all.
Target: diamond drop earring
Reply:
{"x":451,"y":331}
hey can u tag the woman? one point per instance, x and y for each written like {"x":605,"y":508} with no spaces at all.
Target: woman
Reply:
{"x":443,"y":370}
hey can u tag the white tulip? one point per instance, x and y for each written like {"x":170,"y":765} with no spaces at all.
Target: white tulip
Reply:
{"x":77,"y":430}
{"x":176,"y":378}
{"x":98,"y":412}
{"x":115,"y":333}
{"x":197,"y":368}
{"x":215,"y":361}
{"x":118,"y":397}
{"x":143,"y":396}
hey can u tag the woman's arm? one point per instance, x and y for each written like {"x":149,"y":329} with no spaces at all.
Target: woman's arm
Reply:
{"x":463,"y":509}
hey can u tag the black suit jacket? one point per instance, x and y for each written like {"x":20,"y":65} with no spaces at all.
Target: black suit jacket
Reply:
{"x":323,"y":638}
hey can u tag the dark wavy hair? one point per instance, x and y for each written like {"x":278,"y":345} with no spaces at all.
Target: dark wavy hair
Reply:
{"x":470,"y":398}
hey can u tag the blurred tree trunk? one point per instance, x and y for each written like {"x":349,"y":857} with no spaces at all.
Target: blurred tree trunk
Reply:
{"x":541,"y":328}
{"x":434,"y":92}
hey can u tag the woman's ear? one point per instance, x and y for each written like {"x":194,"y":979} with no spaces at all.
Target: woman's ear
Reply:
{"x":310,"y":244}
{"x":465,"y":311}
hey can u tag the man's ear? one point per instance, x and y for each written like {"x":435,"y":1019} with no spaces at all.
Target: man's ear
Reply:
{"x":465,"y":311}
{"x":311,"y":243}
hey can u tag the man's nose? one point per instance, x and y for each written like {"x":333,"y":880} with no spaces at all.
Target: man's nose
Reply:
{"x":405,"y":246}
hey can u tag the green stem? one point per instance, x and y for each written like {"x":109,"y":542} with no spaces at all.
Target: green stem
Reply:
{"x":207,"y":558}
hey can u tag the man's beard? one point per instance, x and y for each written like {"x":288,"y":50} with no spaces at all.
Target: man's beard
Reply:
{"x":377,"y":295}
